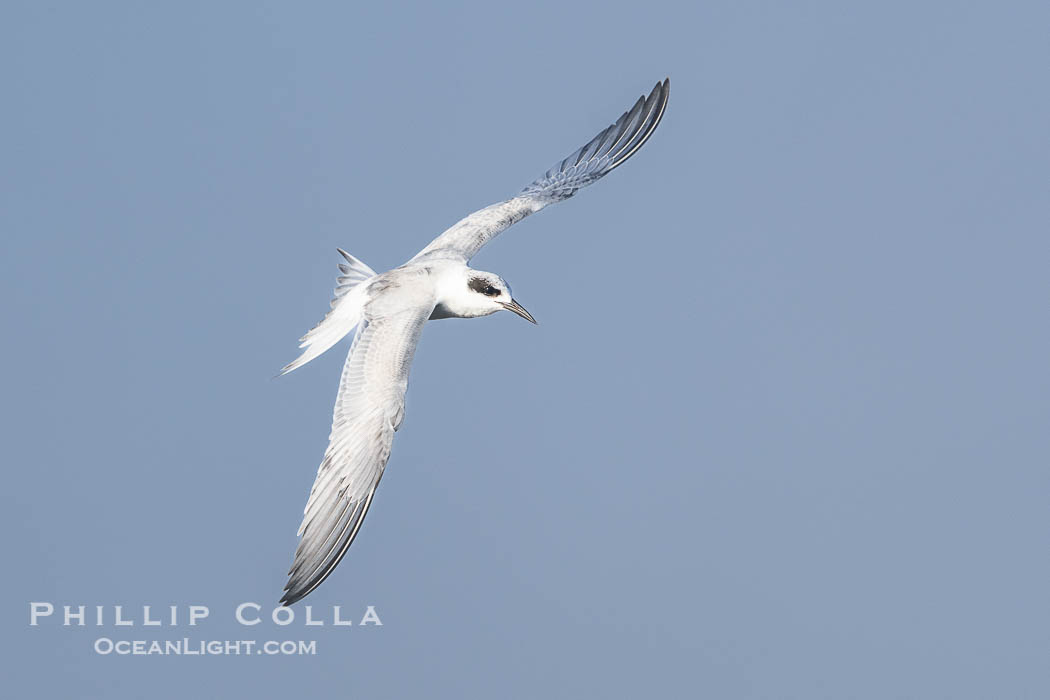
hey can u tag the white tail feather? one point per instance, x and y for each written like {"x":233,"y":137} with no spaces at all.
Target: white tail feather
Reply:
{"x":344,"y":316}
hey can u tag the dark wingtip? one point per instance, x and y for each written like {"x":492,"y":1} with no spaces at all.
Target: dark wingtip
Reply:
{"x":664,"y":86}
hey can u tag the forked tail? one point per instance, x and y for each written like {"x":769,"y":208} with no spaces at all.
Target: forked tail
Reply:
{"x":345,"y":314}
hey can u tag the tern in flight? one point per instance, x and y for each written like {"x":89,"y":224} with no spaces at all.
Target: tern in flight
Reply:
{"x":389,"y":310}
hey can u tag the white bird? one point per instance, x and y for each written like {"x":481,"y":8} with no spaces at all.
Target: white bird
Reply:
{"x":389,"y":311}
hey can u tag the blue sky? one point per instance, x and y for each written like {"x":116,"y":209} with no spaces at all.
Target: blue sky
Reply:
{"x":781,"y":431}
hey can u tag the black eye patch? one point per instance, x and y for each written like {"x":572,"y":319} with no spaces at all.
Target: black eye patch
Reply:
{"x":481,"y":286}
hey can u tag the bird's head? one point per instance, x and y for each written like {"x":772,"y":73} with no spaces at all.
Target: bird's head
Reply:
{"x":483,"y":293}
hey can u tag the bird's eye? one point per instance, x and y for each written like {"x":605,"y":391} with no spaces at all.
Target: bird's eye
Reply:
{"x":482,"y":286}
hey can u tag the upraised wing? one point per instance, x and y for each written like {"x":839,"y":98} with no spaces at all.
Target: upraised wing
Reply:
{"x":609,"y":149}
{"x":368,"y":410}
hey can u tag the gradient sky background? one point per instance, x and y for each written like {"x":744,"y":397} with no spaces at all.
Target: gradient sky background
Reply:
{"x":782,"y":431}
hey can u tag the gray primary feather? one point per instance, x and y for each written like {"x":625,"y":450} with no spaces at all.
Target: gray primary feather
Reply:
{"x":609,"y":149}
{"x":605,"y":152}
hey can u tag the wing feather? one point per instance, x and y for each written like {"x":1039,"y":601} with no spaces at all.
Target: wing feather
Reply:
{"x":592,"y":161}
{"x":369,"y":408}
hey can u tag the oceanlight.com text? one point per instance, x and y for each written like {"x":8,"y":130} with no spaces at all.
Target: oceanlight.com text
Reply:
{"x":105,"y":646}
